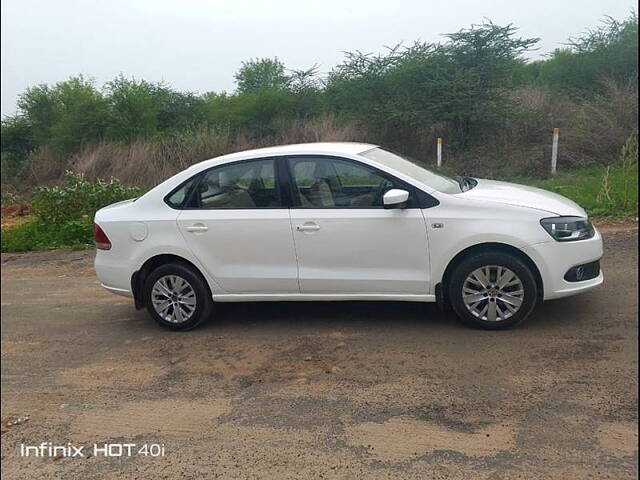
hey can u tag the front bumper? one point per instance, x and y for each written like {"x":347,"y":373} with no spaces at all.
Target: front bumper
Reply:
{"x":554,"y":259}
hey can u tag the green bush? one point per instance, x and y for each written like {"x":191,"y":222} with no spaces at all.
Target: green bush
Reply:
{"x":64,"y":215}
{"x":79,"y":200}
{"x":39,"y":235}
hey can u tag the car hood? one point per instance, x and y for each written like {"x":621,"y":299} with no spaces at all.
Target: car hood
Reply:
{"x":523,"y":196}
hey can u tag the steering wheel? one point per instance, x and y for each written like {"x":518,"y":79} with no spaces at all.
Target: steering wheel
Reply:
{"x":380,"y":191}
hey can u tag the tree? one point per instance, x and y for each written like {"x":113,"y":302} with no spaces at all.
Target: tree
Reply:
{"x":39,"y":104}
{"x":489,"y":59}
{"x":16,"y":142}
{"x":261,"y":73}
{"x":304,"y":81}
{"x":83,"y":114}
{"x":461,"y":82}
{"x":607,"y":52}
{"x":66,"y":115}
{"x":133,"y":108}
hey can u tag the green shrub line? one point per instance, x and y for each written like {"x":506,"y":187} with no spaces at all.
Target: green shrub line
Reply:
{"x":37,"y":235}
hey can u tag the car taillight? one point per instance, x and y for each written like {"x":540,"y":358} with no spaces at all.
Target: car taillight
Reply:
{"x":100,"y":238}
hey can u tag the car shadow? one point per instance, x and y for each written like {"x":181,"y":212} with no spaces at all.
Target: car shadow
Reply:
{"x":378,"y":314}
{"x":302,"y":316}
{"x":327,"y":313}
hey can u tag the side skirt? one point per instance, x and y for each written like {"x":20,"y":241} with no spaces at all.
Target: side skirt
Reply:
{"x":302,"y":297}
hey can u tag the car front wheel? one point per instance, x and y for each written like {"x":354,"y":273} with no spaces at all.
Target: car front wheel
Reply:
{"x":177,"y":297}
{"x":492,"y":290}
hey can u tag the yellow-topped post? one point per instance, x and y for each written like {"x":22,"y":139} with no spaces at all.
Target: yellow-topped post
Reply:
{"x":439,"y":152}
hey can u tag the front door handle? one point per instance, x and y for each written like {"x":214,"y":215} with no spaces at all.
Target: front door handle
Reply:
{"x":197,"y":228}
{"x":308,"y":227}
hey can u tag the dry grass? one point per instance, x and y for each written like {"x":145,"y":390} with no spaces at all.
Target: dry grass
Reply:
{"x":43,"y":167}
{"x":591,"y":133}
{"x":147,"y":162}
{"x":599,"y":129}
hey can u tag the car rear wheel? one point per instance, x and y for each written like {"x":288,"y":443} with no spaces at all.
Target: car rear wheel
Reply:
{"x":177,"y":297}
{"x":492,"y":290}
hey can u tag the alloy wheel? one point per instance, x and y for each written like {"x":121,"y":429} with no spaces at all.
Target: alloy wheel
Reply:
{"x":493,"y":293}
{"x":173,"y":299}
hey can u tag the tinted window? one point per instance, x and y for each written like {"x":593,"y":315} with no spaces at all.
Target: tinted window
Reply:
{"x":239,"y":185}
{"x":324,"y":182}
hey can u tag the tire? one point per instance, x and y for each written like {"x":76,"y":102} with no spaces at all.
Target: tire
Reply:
{"x":497,"y":278}
{"x":184,"y":290}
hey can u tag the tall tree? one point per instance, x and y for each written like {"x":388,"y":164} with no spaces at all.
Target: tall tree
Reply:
{"x":261,"y":73}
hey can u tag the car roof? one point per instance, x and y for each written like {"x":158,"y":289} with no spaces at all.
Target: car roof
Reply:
{"x":315,"y":148}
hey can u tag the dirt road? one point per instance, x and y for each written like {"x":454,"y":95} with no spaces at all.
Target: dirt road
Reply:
{"x":312,"y":390}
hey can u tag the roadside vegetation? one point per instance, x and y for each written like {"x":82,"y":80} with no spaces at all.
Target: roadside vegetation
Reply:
{"x":63,"y":216}
{"x":610,"y":191}
{"x":604,"y":192}
{"x":475,"y":88}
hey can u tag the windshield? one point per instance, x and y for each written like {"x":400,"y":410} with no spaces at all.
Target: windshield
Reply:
{"x":408,"y":166}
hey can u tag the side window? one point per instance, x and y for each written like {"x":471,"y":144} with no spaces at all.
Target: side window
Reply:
{"x":325,"y":182}
{"x":249,"y":184}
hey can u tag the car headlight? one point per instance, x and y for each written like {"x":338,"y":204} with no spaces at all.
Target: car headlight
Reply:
{"x":568,"y":229}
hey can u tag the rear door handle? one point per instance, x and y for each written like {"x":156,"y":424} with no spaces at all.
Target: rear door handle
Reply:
{"x":197,"y":228}
{"x":308,"y":227}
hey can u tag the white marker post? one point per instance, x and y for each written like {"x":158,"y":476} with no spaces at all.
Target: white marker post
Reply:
{"x":554,"y":151}
{"x":439,"y":152}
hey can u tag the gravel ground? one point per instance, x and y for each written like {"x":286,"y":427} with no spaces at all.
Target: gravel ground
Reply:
{"x":317,"y":390}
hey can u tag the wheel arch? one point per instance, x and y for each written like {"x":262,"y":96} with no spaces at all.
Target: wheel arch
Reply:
{"x":139,"y":276}
{"x":441,"y":288}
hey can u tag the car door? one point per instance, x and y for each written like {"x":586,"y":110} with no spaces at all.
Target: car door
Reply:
{"x":235,"y":223}
{"x":346,"y":242}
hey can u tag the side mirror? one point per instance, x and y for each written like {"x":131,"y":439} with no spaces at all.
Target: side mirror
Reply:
{"x":395,"y":198}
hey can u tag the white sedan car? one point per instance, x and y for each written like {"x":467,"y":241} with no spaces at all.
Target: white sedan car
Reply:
{"x":342,"y":221}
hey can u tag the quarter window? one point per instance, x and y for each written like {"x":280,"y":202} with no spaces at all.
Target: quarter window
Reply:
{"x":179,"y":197}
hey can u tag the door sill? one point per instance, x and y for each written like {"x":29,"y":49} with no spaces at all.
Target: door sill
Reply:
{"x":319,"y":297}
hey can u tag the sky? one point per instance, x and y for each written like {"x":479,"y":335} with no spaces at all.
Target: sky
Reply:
{"x":197,"y":45}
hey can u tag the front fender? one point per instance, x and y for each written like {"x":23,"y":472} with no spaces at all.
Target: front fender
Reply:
{"x":452,"y":229}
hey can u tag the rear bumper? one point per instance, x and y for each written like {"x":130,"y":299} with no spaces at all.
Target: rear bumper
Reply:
{"x":117,"y":291}
{"x":113,"y":274}
{"x":554,"y":259}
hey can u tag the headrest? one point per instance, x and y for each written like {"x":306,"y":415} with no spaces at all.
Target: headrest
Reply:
{"x":224,"y":179}
{"x":322,"y":170}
